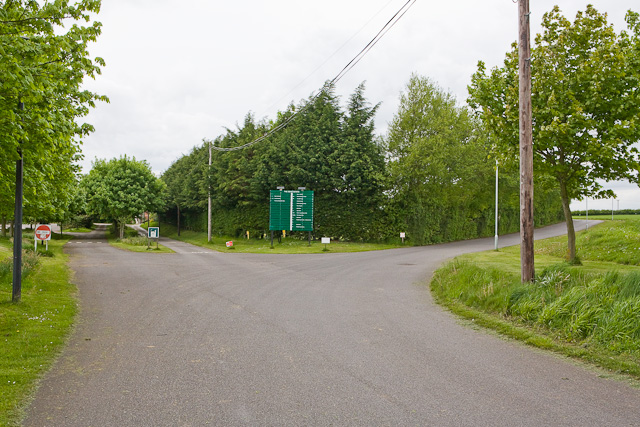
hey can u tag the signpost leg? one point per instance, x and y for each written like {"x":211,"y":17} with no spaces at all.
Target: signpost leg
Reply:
{"x":309,"y":238}
{"x":36,"y":244}
{"x":271,"y":239}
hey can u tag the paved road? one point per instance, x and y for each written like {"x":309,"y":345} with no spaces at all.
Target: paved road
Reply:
{"x":203,"y":338}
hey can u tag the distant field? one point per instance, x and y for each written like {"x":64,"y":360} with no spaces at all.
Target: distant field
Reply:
{"x":608,"y":217}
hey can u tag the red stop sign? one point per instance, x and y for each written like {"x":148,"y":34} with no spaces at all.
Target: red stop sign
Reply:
{"x":43,"y":232}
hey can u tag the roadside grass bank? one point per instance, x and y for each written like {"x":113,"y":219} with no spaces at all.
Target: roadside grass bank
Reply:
{"x":133,"y":242}
{"x":35,"y":330}
{"x":288,"y":245}
{"x":76,"y":230}
{"x":589,"y":311}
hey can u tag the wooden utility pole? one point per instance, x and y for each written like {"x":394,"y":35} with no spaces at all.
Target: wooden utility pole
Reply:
{"x":526,"y":146}
{"x":209,"y":202}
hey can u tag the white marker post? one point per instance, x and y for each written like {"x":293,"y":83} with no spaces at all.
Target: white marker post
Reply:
{"x":325,"y":242}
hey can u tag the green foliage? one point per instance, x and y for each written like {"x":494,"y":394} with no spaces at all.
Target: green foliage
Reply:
{"x":585,"y":105}
{"x":121,"y":189}
{"x":325,"y":149}
{"x":612,"y":241}
{"x":595,"y":306}
{"x":29,"y":263}
{"x":44,"y":62}
{"x":442,"y":175}
{"x":34,"y":330}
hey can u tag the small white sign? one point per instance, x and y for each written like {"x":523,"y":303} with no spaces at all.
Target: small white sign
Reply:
{"x":326,"y":240}
{"x":402,"y":236}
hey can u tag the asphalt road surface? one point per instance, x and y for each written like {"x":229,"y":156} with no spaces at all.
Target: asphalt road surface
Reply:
{"x":201,"y":338}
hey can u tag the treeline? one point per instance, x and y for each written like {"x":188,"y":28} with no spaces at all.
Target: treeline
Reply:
{"x":432,"y":176}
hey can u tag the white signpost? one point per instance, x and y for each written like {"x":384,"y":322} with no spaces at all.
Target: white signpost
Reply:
{"x":42,"y":233}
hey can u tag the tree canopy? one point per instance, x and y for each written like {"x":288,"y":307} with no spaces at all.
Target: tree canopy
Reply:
{"x":585,"y":105}
{"x":327,"y":148}
{"x":430,"y":177}
{"x":121,"y":189}
{"x":42,"y":68}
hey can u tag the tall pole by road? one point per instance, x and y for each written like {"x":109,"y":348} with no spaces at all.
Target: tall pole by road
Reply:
{"x":16,"y":293}
{"x":526,"y":146}
{"x":496,"y":239}
{"x":209,"y":202}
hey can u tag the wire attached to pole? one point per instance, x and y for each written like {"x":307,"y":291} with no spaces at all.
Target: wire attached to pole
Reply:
{"x":390,"y":24}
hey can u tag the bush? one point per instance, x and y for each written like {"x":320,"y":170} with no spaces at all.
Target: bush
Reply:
{"x":29,"y":263}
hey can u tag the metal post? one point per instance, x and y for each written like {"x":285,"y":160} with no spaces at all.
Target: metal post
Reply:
{"x":587,"y":202}
{"x":17,"y":226}
{"x":496,"y":239}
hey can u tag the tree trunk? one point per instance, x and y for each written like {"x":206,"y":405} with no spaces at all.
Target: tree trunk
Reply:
{"x":121,"y":226}
{"x":4,"y":226}
{"x":571,"y":232}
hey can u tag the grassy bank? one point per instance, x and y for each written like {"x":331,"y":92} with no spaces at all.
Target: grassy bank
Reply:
{"x":133,"y":242}
{"x":590,"y":311}
{"x":33,"y":331}
{"x":288,"y":245}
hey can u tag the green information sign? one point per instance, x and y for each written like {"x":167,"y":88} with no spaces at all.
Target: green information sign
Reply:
{"x":291,"y":210}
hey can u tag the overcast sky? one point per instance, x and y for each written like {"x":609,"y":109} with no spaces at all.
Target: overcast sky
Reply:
{"x":181,"y":71}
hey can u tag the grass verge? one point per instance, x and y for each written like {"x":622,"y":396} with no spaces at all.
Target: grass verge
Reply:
{"x":33,"y":331}
{"x":133,"y":242}
{"x":288,"y":245}
{"x":590,"y":312}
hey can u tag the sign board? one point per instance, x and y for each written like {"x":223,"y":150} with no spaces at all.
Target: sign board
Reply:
{"x":153,"y":232}
{"x":402,"y":235}
{"x":291,"y":210}
{"x":326,"y":240}
{"x":230,"y":243}
{"x":43,"y":232}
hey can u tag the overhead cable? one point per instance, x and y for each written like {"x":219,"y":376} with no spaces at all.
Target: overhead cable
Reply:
{"x":394,"y":19}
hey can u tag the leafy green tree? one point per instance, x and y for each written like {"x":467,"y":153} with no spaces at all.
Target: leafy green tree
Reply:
{"x":586,"y":105}
{"x":123,"y":188}
{"x":438,"y":166}
{"x":43,"y":66}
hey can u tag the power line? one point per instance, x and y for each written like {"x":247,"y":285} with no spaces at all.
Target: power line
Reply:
{"x":390,"y":24}
{"x":330,"y":56}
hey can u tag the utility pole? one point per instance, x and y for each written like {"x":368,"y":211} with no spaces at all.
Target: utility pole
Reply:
{"x":17,"y":228}
{"x":496,"y":219}
{"x":526,"y":145}
{"x":209,"y":202}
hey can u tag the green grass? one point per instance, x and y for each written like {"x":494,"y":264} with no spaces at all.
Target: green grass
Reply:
{"x":76,"y":230}
{"x":33,"y":331}
{"x":608,"y":217}
{"x":591,"y":312}
{"x":133,"y":242}
{"x":288,"y":245}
